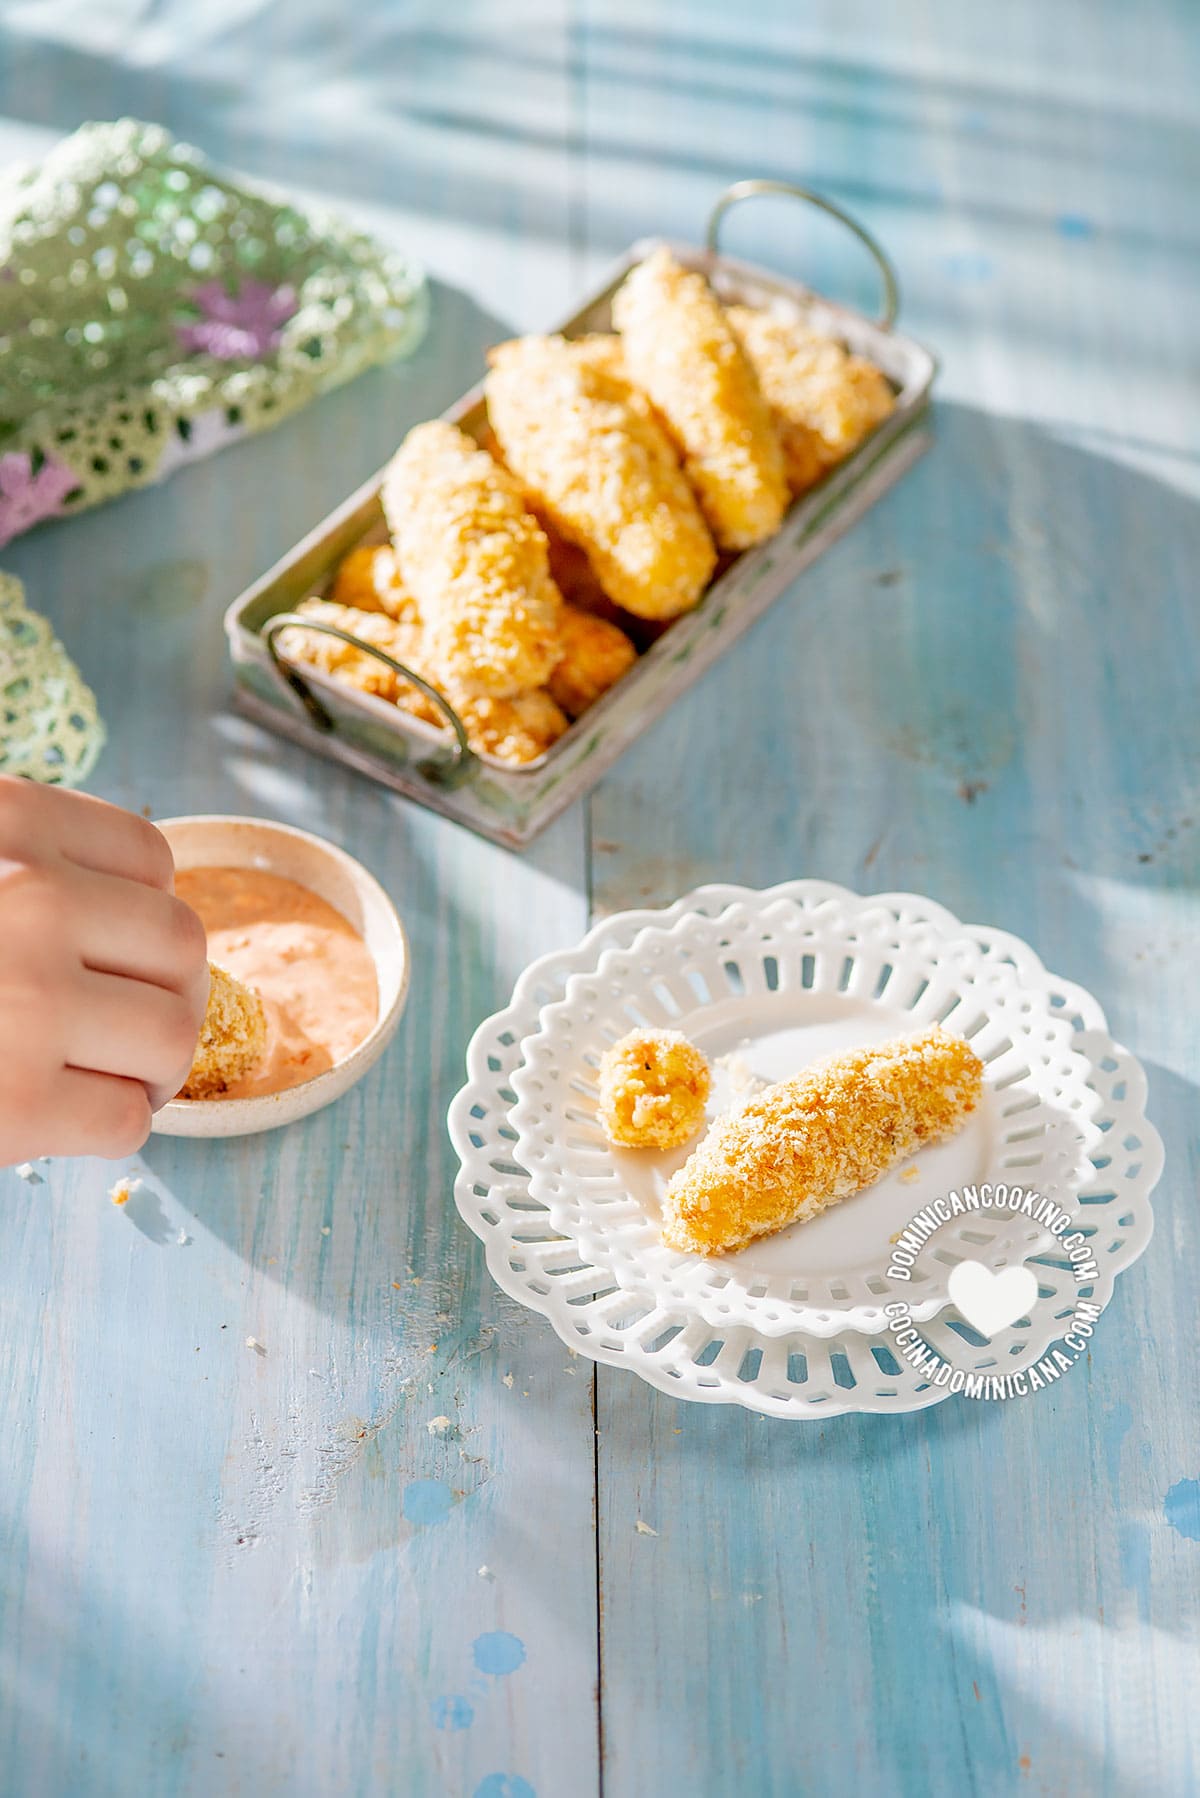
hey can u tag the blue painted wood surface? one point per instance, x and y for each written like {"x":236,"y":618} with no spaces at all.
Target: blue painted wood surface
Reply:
{"x":225,"y":1571}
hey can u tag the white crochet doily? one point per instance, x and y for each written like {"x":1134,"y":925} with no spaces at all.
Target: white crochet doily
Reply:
{"x":666,"y":1335}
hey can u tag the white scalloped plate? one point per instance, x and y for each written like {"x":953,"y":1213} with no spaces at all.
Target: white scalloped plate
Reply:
{"x":781,"y":983}
{"x":795,"y":1373}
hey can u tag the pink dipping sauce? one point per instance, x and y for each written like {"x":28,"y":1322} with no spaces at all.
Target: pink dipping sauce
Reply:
{"x":310,"y":967}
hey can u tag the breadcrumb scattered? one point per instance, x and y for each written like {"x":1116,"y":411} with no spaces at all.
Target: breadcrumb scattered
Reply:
{"x":643,"y":1529}
{"x":121,"y":1192}
{"x":439,"y":1426}
{"x":259,"y":1348}
{"x":807,"y":1143}
{"x":27,"y":1172}
{"x":654,"y":1085}
{"x":910,"y":1174}
{"x":507,"y":1381}
{"x":485,"y":1572}
{"x":744,"y":1083}
{"x":233,"y":1038}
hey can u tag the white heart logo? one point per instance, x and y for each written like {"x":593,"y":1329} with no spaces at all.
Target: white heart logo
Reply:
{"x":988,"y":1301}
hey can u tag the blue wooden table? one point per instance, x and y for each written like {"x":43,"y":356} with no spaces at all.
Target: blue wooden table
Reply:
{"x":226,"y":1571}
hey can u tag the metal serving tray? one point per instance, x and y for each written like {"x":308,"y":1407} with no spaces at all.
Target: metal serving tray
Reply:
{"x":435,"y":766}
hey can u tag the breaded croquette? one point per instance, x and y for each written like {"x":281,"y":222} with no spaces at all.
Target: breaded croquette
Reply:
{"x":824,"y":400}
{"x":403,"y":642}
{"x":369,"y":579}
{"x":681,"y":350}
{"x":807,"y":1143}
{"x":603,"y":470}
{"x":515,"y":730}
{"x":595,"y":654}
{"x":654,"y":1085}
{"x":233,"y":1038}
{"x":602,"y":350}
{"x":475,"y":560}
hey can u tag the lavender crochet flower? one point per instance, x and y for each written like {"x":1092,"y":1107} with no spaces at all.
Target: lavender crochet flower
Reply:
{"x":25,"y":497}
{"x":236,"y":327}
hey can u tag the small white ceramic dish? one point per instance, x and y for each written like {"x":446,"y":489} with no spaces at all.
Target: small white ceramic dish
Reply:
{"x":218,"y":842}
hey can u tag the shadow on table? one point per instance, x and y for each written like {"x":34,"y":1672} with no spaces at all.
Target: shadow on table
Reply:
{"x":984,"y":680}
{"x":968,"y":667}
{"x":997,"y":666}
{"x":1013,"y":1596}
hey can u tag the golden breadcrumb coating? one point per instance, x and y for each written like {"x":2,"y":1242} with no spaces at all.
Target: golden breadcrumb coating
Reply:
{"x":603,"y":350}
{"x":595,"y":654}
{"x":654,"y":1085}
{"x":515,"y":730}
{"x":824,"y":400}
{"x":806,"y":1143}
{"x":603,"y":470}
{"x":476,"y":561}
{"x":233,"y":1038}
{"x":402,"y":641}
{"x":681,"y":350}
{"x":369,"y":579}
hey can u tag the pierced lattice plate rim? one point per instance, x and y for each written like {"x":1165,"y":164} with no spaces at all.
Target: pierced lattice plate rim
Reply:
{"x":785,"y":980}
{"x":794,"y":1375}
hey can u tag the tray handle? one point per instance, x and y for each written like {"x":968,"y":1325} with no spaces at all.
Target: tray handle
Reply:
{"x":447,"y":773}
{"x":749,"y":190}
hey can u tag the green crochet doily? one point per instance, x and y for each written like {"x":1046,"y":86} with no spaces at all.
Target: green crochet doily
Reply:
{"x":50,"y":729}
{"x":151,"y":309}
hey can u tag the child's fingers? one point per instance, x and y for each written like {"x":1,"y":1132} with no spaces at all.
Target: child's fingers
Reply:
{"x":122,"y":927}
{"x":84,"y":830}
{"x":131,"y":1028}
{"x":99,"y":1114}
{"x":110,"y":841}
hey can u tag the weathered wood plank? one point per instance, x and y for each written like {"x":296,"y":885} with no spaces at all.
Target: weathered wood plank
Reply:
{"x":222,"y":1570}
{"x":984,"y":694}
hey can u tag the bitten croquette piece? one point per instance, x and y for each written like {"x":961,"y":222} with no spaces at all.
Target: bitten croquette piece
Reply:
{"x":681,"y":350}
{"x":368,"y":578}
{"x":807,"y":1143}
{"x":233,"y":1038}
{"x":604,"y":470}
{"x":476,"y":561}
{"x":824,"y":400}
{"x":595,"y":656}
{"x":654,"y":1085}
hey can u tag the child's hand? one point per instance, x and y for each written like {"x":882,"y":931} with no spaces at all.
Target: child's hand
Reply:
{"x":103,"y":977}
